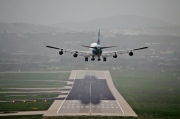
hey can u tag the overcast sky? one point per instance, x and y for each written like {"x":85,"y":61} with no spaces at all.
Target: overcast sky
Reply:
{"x":56,"y":11}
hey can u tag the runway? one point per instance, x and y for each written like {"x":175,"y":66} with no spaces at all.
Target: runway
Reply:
{"x":92,"y":93}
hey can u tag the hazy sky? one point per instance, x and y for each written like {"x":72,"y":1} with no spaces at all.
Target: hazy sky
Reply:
{"x":56,"y":11}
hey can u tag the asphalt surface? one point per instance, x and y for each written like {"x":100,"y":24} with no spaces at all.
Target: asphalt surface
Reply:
{"x":91,"y":95}
{"x":90,"y":90}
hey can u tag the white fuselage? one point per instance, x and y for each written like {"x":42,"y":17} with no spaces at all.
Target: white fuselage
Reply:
{"x":95,"y":51}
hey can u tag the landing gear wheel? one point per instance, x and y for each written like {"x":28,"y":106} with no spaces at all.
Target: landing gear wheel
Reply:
{"x":92,"y":59}
{"x":86,"y":59}
{"x":99,"y":59}
{"x":104,"y":59}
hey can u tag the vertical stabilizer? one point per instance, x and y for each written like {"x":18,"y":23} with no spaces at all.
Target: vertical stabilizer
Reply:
{"x":98,"y":42}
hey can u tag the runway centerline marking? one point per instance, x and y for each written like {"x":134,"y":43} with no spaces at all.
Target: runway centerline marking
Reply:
{"x":68,"y":93}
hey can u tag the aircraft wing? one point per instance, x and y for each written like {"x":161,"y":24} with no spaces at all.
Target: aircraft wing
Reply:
{"x":79,"y":53}
{"x":112,"y":53}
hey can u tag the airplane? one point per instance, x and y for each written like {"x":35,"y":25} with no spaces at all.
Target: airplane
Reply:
{"x":96,"y":50}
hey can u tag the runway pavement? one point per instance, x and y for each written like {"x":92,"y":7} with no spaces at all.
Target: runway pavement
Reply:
{"x":92,"y":93}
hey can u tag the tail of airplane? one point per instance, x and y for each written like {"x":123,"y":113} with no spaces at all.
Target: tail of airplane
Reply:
{"x":98,"y":42}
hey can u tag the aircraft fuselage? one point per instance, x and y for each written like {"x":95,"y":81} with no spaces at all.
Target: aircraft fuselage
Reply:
{"x":96,"y":51}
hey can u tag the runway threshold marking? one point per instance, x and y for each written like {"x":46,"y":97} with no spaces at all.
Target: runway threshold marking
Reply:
{"x":68,"y":93}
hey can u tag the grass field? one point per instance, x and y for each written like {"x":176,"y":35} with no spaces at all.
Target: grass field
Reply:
{"x":150,"y":94}
{"x":25,"y":106}
{"x":29,"y":80}
{"x":32,"y":80}
{"x":26,"y":96}
{"x":23,"y":117}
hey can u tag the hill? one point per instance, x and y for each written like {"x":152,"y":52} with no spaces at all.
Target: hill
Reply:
{"x":115,"y":22}
{"x":27,"y":28}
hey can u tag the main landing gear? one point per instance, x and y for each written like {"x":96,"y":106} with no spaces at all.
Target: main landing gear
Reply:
{"x":92,"y":59}
{"x":99,"y":59}
{"x":104,"y":59}
{"x":86,"y":59}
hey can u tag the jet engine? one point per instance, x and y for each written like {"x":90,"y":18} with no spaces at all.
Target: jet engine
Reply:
{"x":60,"y":52}
{"x":131,"y":54}
{"x":75,"y":55}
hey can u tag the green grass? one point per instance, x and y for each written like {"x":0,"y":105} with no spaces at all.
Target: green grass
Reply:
{"x":31,"y":84}
{"x":33,"y":80}
{"x":25,"y":106}
{"x":29,"y":80}
{"x":22,"y":117}
{"x":35,"y":76}
{"x":26,"y":96}
{"x":150,"y":94}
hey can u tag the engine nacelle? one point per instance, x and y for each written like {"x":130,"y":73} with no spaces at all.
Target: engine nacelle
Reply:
{"x":115,"y":55}
{"x":75,"y":55}
{"x":131,"y":54}
{"x":60,"y":52}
